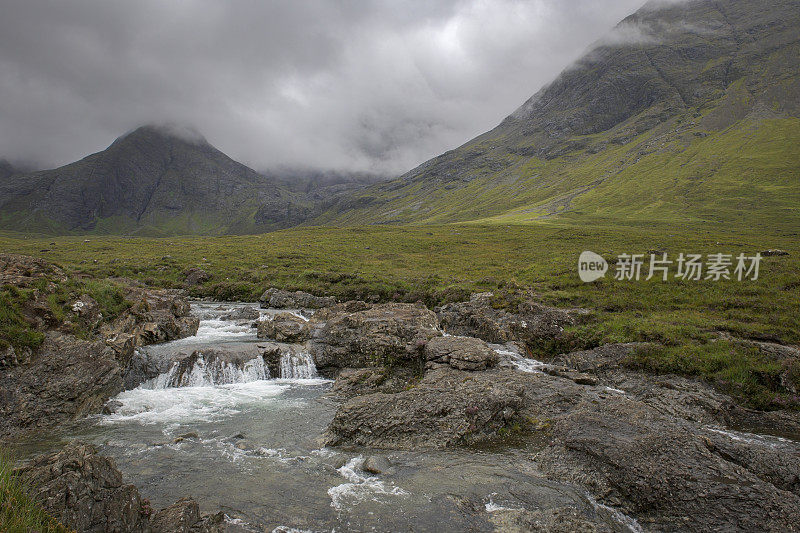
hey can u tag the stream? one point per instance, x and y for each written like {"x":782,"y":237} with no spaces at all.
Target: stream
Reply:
{"x":239,"y":440}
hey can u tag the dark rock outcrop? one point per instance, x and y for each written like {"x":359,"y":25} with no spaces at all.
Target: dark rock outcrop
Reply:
{"x":386,"y":334}
{"x":530,"y":321}
{"x":281,"y":299}
{"x":446,"y":408}
{"x":461,"y":353}
{"x":665,"y":473}
{"x":85,"y":491}
{"x":156,"y":316}
{"x":65,"y":379}
{"x":284,"y":327}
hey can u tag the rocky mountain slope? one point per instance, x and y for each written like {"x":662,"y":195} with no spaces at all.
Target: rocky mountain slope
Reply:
{"x":687,"y":111}
{"x":150,"y":181}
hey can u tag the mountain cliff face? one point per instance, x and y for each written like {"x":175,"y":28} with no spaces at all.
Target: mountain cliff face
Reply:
{"x":151,"y":180}
{"x":688,"y":111}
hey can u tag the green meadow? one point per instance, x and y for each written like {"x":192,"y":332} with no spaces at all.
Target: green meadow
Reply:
{"x":689,"y":320}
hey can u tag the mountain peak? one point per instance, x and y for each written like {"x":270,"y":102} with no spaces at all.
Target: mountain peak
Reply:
{"x":167,"y":131}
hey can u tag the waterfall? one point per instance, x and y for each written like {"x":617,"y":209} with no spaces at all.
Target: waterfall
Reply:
{"x":297,"y":366}
{"x":197,"y":371}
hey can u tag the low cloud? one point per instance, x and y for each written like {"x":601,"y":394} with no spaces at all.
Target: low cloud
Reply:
{"x":349,"y":86}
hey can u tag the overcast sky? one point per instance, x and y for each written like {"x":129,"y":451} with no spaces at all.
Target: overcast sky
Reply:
{"x":376,"y":86}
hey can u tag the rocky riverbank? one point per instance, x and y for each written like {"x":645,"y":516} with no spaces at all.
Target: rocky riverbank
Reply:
{"x":669,"y":451}
{"x":82,"y":360}
{"x":660,"y":448}
{"x":86,"y":492}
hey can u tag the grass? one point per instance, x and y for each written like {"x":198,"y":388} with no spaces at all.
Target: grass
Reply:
{"x":739,"y":370}
{"x":15,"y":329}
{"x":52,"y":300}
{"x":19,"y":511}
{"x":442,"y":263}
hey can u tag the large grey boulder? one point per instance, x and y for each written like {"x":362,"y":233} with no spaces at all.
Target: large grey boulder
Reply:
{"x":85,"y":491}
{"x":461,"y":353}
{"x":529,"y":321}
{"x":66,"y":378}
{"x":391,"y":334}
{"x":668,"y":474}
{"x":284,"y":327}
{"x":281,"y":299}
{"x":446,"y":408}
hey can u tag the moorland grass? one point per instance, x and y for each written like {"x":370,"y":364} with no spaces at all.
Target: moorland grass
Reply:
{"x":437,"y":264}
{"x":19,"y":511}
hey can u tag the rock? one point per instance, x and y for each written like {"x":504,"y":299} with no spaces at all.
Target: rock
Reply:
{"x":357,"y":381}
{"x":447,"y":408}
{"x":377,"y":464}
{"x":272,"y":354}
{"x":177,"y":518}
{"x":156,"y":316}
{"x":243,"y":313}
{"x":8,"y":356}
{"x":531,"y":322}
{"x":111,"y":407}
{"x":600,"y":359}
{"x":580,"y":378}
{"x":196,"y":276}
{"x":462,"y":353}
{"x":86,"y":308}
{"x":85,"y":491}
{"x":284,"y":327}
{"x":281,"y":299}
{"x":768,"y":253}
{"x":22,"y":271}
{"x":389,"y":334}
{"x":186,"y":436}
{"x":67,"y":378}
{"x":662,"y":471}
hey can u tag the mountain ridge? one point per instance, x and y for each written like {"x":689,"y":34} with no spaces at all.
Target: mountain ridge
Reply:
{"x":687,"y":112}
{"x":700,"y":69}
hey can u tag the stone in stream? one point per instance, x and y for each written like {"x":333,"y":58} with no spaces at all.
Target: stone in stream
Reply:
{"x":85,"y":491}
{"x":389,"y":334}
{"x":281,"y":299}
{"x":528,"y":322}
{"x":284,"y":327}
{"x":461,"y":353}
{"x":446,"y":408}
{"x":377,"y":464}
{"x":242,"y":313}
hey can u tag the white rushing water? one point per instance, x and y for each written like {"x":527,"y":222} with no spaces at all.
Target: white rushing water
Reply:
{"x":297,"y":366}
{"x":207,"y":387}
{"x":359,"y":486}
{"x":214,"y":372}
{"x":510,"y":354}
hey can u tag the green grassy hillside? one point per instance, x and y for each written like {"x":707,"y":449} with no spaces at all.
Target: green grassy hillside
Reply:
{"x":698,"y":124}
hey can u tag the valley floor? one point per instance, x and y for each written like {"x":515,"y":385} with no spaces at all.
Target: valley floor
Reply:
{"x":698,"y":324}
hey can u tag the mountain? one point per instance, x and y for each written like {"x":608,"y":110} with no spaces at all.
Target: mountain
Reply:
{"x":154,"y":180}
{"x":7,"y":169}
{"x":687,"y":112}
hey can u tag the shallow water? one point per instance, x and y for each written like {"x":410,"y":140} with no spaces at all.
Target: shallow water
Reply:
{"x":257,"y":454}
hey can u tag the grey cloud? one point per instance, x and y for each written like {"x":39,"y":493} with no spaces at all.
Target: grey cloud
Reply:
{"x":352,"y":86}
